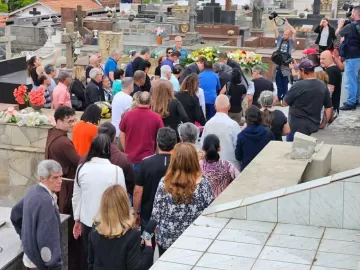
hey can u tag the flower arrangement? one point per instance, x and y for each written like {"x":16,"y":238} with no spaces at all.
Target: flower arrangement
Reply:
{"x":210,"y":53}
{"x":247,"y":59}
{"x":23,"y":118}
{"x":35,"y":98}
{"x":159,"y":32}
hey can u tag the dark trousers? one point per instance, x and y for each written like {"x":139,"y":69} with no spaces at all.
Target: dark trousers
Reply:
{"x":322,"y":48}
{"x":210,"y":111}
{"x":161,"y":251}
{"x":85,"y":231}
{"x":281,"y":83}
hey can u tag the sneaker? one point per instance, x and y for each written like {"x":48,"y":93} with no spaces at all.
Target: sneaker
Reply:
{"x":348,"y":107}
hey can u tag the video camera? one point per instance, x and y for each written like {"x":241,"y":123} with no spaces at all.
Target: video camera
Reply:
{"x":273,"y":15}
{"x":348,"y":8}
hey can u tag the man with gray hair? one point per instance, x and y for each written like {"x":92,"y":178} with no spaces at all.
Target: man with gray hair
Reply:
{"x":224,"y":128}
{"x":224,"y":72}
{"x":93,"y":63}
{"x":138,"y":129}
{"x":36,"y":220}
{"x":167,"y":75}
{"x":188,"y":132}
{"x":122,"y":102}
{"x":139,"y":81}
{"x":111,"y":64}
{"x":94,"y":91}
{"x":258,"y":85}
{"x":50,"y":70}
{"x":139,"y":62}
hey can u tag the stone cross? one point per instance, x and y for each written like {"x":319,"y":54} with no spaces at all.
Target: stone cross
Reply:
{"x":34,"y":12}
{"x":69,"y":38}
{"x":79,"y":15}
{"x":7,"y":39}
{"x":316,"y":7}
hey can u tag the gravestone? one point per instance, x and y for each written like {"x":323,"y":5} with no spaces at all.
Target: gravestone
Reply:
{"x":49,"y":48}
{"x":109,"y":41}
{"x":69,"y":38}
{"x":192,"y":37}
{"x":213,"y":14}
{"x":7,"y":39}
{"x":316,"y":11}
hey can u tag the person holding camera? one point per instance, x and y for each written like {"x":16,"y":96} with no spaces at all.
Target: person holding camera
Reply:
{"x":285,"y":44}
{"x":350,"y":52}
{"x":326,"y":35}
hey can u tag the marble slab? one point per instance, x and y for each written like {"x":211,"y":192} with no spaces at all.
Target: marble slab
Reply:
{"x":225,"y":262}
{"x":235,"y":249}
{"x":286,"y":241}
{"x":287,"y":255}
{"x":351,"y":205}
{"x":246,"y":237}
{"x":295,"y":208}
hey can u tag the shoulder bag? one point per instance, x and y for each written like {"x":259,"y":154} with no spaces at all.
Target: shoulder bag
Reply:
{"x":75,"y":102}
{"x":227,"y":93}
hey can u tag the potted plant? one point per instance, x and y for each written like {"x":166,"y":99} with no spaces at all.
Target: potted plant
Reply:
{"x":159,"y":33}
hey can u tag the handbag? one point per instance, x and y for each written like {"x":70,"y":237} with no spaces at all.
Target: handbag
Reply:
{"x":75,"y":102}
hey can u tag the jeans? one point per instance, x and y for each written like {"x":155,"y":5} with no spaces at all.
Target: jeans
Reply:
{"x":351,"y":81}
{"x":290,"y":137}
{"x":136,"y":168}
{"x":210,"y":111}
{"x":282,"y":83}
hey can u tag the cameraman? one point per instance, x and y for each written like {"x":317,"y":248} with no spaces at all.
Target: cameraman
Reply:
{"x":350,"y":51}
{"x":285,"y":44}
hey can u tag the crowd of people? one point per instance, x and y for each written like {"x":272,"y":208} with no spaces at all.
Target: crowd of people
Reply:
{"x":175,"y":141}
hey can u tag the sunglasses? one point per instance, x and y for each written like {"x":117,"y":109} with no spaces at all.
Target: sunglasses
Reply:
{"x":170,"y":52}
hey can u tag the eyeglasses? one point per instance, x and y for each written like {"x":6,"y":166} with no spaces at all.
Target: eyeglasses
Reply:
{"x":170,"y":52}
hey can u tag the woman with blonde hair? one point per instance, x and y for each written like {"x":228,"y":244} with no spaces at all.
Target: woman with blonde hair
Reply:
{"x":77,"y":88}
{"x":181,"y":196}
{"x":170,"y":109}
{"x":115,"y":242}
{"x":190,"y":101}
{"x":323,"y":76}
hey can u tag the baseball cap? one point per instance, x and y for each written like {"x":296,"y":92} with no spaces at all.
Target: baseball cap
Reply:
{"x":310,"y":51}
{"x":305,"y":64}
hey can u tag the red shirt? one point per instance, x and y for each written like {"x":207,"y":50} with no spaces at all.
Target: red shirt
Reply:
{"x":140,"y":127}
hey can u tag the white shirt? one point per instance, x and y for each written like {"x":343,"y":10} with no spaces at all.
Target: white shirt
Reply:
{"x":201,"y":96}
{"x":175,"y":82}
{"x":227,"y":131}
{"x":324,"y":37}
{"x":121,"y":102}
{"x":94,"y":178}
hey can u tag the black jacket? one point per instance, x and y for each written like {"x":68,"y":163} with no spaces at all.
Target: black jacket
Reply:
{"x":331,"y":38}
{"x":93,"y":93}
{"x":78,"y":89}
{"x":192,"y":68}
{"x":118,"y":253}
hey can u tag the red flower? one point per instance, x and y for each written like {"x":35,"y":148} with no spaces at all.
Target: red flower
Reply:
{"x":200,"y":53}
{"x":36,"y":97}
{"x":20,"y":94}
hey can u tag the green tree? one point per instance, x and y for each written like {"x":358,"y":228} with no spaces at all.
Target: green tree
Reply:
{"x":16,"y":4}
{"x":3,"y":7}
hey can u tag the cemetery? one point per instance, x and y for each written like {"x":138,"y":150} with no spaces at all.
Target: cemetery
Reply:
{"x":295,"y":206}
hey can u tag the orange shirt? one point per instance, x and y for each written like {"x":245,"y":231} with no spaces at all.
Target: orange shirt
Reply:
{"x":83,"y":134}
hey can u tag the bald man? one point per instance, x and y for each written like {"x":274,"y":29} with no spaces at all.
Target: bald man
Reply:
{"x":93,"y":63}
{"x":335,"y":78}
{"x":285,"y":44}
{"x":225,"y":128}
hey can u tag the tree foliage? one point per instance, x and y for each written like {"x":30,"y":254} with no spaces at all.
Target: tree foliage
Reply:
{"x":16,"y":4}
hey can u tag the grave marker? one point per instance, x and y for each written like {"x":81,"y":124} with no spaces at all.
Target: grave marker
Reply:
{"x":7,"y":39}
{"x":34,"y":12}
{"x":68,"y":38}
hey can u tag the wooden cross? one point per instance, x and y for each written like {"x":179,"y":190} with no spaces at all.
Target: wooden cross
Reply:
{"x":79,"y":15}
{"x":34,"y":12}
{"x":7,"y":39}
{"x":69,"y":38}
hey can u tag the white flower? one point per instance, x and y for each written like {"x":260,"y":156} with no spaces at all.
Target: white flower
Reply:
{"x":107,"y":8}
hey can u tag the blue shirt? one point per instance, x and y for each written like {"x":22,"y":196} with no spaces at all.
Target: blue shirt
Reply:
{"x":183,"y":53}
{"x":129,"y":71}
{"x":168,"y":62}
{"x":209,"y":81}
{"x":110,"y":66}
{"x":175,"y":82}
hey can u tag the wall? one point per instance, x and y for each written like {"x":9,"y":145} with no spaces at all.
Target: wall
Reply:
{"x":28,"y":38}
